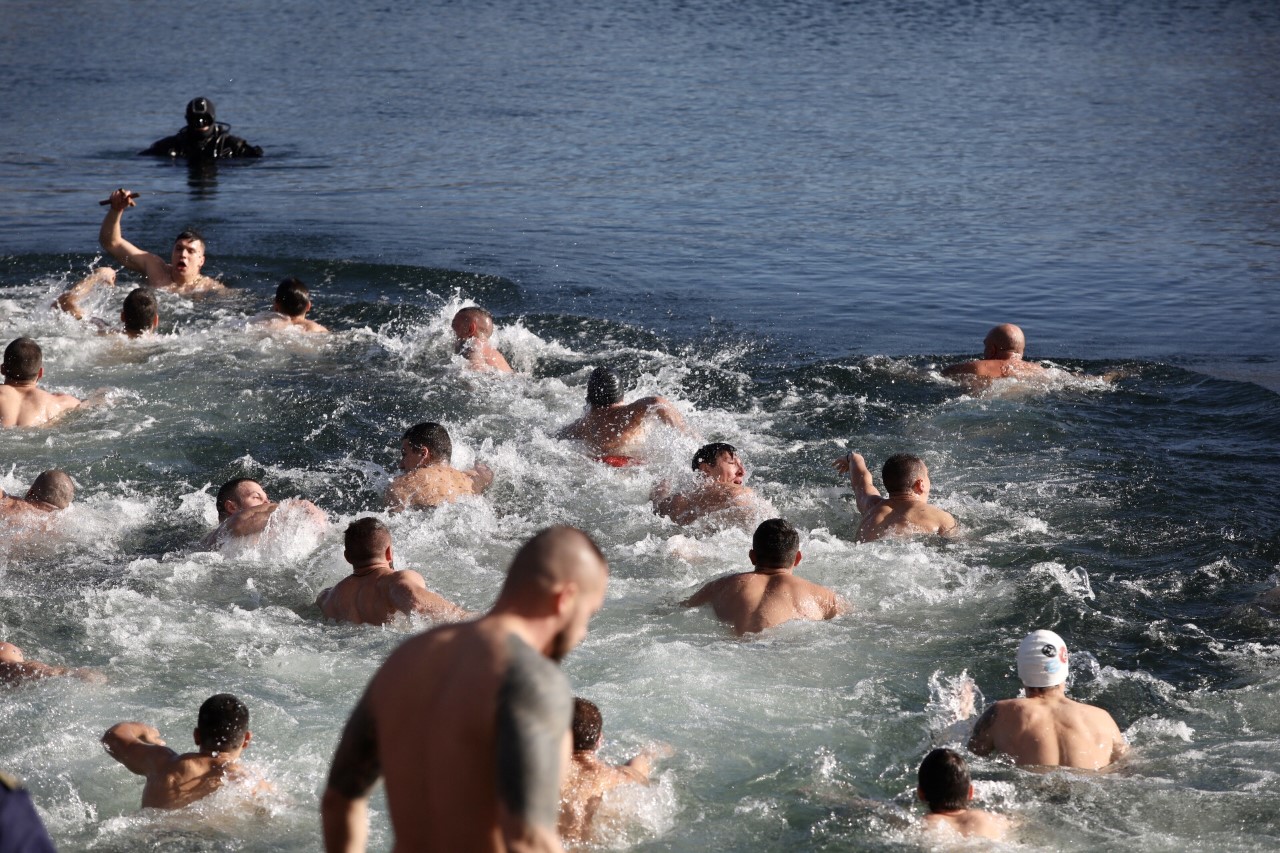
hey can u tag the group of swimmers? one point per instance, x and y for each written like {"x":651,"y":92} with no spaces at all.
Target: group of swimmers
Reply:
{"x":480,"y":693}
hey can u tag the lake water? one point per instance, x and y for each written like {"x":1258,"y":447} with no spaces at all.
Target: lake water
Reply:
{"x":783,"y":217}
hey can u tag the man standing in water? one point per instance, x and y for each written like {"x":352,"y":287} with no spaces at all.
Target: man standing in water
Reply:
{"x":907,"y":511}
{"x":611,"y":428}
{"x":375,"y":592}
{"x":429,"y":479}
{"x":720,"y":489}
{"x":770,"y":595}
{"x":1046,"y":728}
{"x":469,"y":723}
{"x":22,"y":403}
{"x":181,"y":274}
{"x":244,"y":510}
{"x":1002,"y":351}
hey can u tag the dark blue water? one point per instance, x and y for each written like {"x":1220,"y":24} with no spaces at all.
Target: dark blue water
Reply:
{"x":784,"y":217}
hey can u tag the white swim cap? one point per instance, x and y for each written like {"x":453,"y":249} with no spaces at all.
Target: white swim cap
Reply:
{"x":1042,"y":659}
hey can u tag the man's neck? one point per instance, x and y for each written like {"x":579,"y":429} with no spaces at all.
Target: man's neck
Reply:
{"x":773,"y":570}
{"x":20,"y":384}
{"x":907,"y":497}
{"x":1058,"y":691}
{"x":373,"y":567}
{"x":43,"y":506}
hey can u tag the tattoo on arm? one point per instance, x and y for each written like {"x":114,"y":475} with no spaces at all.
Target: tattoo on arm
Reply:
{"x":981,"y":742}
{"x":535,"y":708}
{"x":355,"y":764}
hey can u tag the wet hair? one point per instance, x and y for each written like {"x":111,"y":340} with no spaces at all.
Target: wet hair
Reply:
{"x":53,"y":487}
{"x":432,"y":437}
{"x":140,"y":309}
{"x":228,"y":493}
{"x":191,"y":234}
{"x":222,"y":722}
{"x":604,"y":387}
{"x":944,"y":780}
{"x":365,"y":539}
{"x":775,"y":543}
{"x":483,"y":320}
{"x":901,"y":470}
{"x":23,"y":359}
{"x":709,"y":454}
{"x":588,"y":725}
{"x":293,"y":297}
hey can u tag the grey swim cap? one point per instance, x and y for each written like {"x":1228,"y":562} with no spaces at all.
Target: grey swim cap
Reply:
{"x":1042,"y":659}
{"x":604,"y":387}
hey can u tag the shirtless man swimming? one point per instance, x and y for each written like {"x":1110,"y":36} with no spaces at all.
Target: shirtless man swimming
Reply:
{"x":469,"y":723}
{"x":244,"y":510}
{"x":1046,"y":728}
{"x":943,"y":784}
{"x":290,"y":307}
{"x":770,"y":595}
{"x":473,"y":326}
{"x":907,"y":511}
{"x":16,"y":669}
{"x":588,"y":778}
{"x":181,"y":274}
{"x":720,"y":489}
{"x":140,"y":314}
{"x":173,"y":780}
{"x":429,"y":479}
{"x":375,"y":592}
{"x":1002,"y":351}
{"x":52,"y":490}
{"x":610,"y":428}
{"x":22,"y":403}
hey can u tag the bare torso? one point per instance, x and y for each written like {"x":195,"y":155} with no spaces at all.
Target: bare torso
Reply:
{"x":1050,"y":730}
{"x":186,"y":779}
{"x":738,"y":502}
{"x":434,"y":705}
{"x":378,"y":597}
{"x":429,"y":486}
{"x":611,"y":429}
{"x":755,"y":601}
{"x":586,"y":781}
{"x":30,"y":405}
{"x":482,"y":355}
{"x":904,"y":517}
{"x":970,"y":823}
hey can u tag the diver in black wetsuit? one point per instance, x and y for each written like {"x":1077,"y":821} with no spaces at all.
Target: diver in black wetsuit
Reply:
{"x":204,"y":138}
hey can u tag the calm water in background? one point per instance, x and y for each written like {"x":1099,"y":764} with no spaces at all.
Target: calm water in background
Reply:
{"x":779,"y":215}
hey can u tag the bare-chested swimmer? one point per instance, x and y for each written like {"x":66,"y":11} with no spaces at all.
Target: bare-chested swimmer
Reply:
{"x":610,"y":428}
{"x":943,"y":784}
{"x":51,"y":491}
{"x":140,"y":314}
{"x":1046,"y":728}
{"x":770,"y":595}
{"x":473,"y":327}
{"x":1002,"y":351}
{"x":376,"y":592}
{"x":173,"y":780}
{"x":907,"y":511}
{"x":244,"y":510}
{"x":289,"y":309}
{"x":469,"y":723}
{"x":181,"y":274}
{"x":429,"y":479}
{"x":588,"y":778}
{"x":22,"y":403}
{"x":719,"y":491}
{"x":16,"y":669}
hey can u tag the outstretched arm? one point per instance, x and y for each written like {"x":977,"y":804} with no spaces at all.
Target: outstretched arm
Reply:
{"x":982,"y":741}
{"x":117,"y":246}
{"x":138,"y":747}
{"x":69,"y":300}
{"x":864,"y":488}
{"x":344,"y":808}
{"x":409,"y":594}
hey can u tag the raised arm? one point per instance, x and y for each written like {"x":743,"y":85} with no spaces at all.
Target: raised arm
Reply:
{"x":864,"y":488}
{"x":69,"y":299}
{"x":138,"y":747}
{"x":535,"y":708}
{"x":114,"y":243}
{"x":344,"y":808}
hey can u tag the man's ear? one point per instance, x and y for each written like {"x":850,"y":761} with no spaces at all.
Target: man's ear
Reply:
{"x":920,"y":794}
{"x":799,"y":556}
{"x":918,"y":486}
{"x":248,"y":736}
{"x":390,"y":559}
{"x":751,"y":555}
{"x":155,"y":321}
{"x":970,"y":797}
{"x":231,"y":506}
{"x":40,"y":374}
{"x":275,"y":306}
{"x":565,"y":598}
{"x":195,"y":735}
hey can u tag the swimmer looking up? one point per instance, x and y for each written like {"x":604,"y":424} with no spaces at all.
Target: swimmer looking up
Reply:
{"x":719,"y":489}
{"x":180,"y":274}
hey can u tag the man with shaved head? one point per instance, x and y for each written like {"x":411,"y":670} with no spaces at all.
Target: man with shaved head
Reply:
{"x":469,"y":724}
{"x":53,"y":490}
{"x":22,"y":402}
{"x":1002,"y":351}
{"x":472,"y":328}
{"x":375,"y":592}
